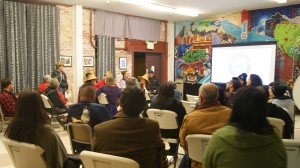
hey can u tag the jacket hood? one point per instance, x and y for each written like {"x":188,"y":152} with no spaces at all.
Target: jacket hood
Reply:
{"x":244,"y":140}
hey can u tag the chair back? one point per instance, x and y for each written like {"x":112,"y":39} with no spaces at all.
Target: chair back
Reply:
{"x":24,"y":155}
{"x":4,"y":120}
{"x":102,"y":99}
{"x":101,"y":160}
{"x":166,"y":119}
{"x":46,"y":102}
{"x":192,"y":98}
{"x":196,"y":145}
{"x":277,"y":124}
{"x":80,"y":134}
{"x":189,"y":106}
{"x":292,"y":148}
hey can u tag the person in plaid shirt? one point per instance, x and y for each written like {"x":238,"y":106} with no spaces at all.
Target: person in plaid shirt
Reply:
{"x":7,"y":98}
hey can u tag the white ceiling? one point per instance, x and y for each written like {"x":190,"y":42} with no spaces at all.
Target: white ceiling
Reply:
{"x":206,"y":8}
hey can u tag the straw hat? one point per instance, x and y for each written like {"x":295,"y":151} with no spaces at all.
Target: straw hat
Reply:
{"x":146,"y":77}
{"x":91,"y":77}
{"x":108,"y":73}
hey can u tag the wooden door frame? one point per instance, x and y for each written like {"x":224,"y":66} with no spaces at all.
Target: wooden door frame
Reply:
{"x":141,"y":46}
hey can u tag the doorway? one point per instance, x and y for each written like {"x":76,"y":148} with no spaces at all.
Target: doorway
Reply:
{"x":144,"y":61}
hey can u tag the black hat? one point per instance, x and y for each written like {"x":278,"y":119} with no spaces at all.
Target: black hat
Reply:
{"x":243,"y":77}
{"x":150,"y":72}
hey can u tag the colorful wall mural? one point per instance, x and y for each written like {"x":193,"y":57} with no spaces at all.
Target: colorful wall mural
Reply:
{"x":193,"y":40}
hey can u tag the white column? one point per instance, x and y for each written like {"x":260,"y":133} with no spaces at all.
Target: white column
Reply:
{"x":170,"y":40}
{"x":77,"y":49}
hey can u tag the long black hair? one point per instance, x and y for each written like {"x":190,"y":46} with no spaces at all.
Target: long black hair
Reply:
{"x":249,"y":111}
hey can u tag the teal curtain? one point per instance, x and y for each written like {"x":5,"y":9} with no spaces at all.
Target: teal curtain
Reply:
{"x":29,"y":43}
{"x":105,"y":55}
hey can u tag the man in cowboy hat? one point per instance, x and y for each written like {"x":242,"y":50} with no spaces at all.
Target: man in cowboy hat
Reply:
{"x":90,"y":80}
{"x":61,"y":76}
{"x":144,"y":82}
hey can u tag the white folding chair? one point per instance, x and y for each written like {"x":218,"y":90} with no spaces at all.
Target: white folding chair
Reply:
{"x":51,"y":109}
{"x":167,"y":120}
{"x":196,"y":145}
{"x":101,"y":160}
{"x":4,"y":120}
{"x":192,"y":98}
{"x":278,"y":125}
{"x":189,"y":106}
{"x":102,"y":99}
{"x":24,"y":155}
{"x":292,"y":148}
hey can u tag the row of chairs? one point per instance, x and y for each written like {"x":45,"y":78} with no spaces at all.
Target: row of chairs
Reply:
{"x":25,"y":155}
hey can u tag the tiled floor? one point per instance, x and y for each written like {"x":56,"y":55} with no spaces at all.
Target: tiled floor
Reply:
{"x":5,"y":161}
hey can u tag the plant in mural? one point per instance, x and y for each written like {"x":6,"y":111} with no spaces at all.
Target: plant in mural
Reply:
{"x":193,"y":56}
{"x":288,"y":37}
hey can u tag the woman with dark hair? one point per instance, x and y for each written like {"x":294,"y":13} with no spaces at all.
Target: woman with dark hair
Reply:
{"x":254,"y":80}
{"x":31,"y":124}
{"x":125,"y":76}
{"x":248,"y":140}
{"x":166,"y":100}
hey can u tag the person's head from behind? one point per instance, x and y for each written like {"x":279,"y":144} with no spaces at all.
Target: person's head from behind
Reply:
{"x":278,"y":89}
{"x":173,"y":84}
{"x":132,"y":101}
{"x":108,"y":73}
{"x":125,"y":75}
{"x":87,"y":93}
{"x":109,"y":80}
{"x":249,"y":110}
{"x":7,"y":84}
{"x":208,"y":93}
{"x":254,"y":80}
{"x":46,"y":78}
{"x":132,"y":81}
{"x":54,"y":83}
{"x":30,"y":116}
{"x":243,"y":78}
{"x":233,"y":85}
{"x":166,"y":90}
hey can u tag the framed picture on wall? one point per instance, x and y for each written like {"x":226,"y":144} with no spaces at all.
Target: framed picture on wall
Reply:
{"x":123,"y":63}
{"x":88,"y":61}
{"x":67,"y":60}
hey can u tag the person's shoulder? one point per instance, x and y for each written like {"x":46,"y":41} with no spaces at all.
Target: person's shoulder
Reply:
{"x":96,"y":105}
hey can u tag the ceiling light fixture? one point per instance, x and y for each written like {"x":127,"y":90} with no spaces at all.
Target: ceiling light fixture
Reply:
{"x":280,"y":1}
{"x":163,"y":8}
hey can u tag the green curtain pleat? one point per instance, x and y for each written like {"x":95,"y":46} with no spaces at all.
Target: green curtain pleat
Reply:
{"x":105,"y":55}
{"x":29,"y":45}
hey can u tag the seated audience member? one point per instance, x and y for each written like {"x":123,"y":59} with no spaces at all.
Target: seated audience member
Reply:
{"x":281,"y":100}
{"x":277,"y":112}
{"x":144,"y":82}
{"x":102,"y":82}
{"x":132,"y":81}
{"x":231,"y":88}
{"x":177,"y":94}
{"x":248,"y":140}
{"x":53,"y":94}
{"x":45,"y":84}
{"x":166,"y":100}
{"x":31,"y":125}
{"x":125,"y":76}
{"x":207,"y":118}
{"x":254,"y":81}
{"x":128,"y":135}
{"x":97,"y":113}
{"x":243,"y":79}
{"x":153,"y":83}
{"x":90,"y":79}
{"x":7,"y":98}
{"x":112,"y":92}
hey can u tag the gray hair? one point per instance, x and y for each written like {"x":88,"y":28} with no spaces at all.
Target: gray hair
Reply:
{"x":209,"y":92}
{"x":54,"y":83}
{"x":47,"y":78}
{"x":132,"y":81}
